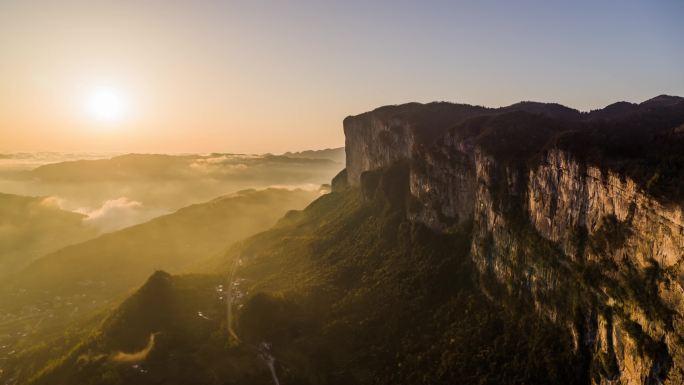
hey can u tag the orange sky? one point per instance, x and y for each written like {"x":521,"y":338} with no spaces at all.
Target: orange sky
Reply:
{"x":271,"y":77}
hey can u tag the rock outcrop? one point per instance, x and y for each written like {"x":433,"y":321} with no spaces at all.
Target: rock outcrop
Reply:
{"x":578,"y":213}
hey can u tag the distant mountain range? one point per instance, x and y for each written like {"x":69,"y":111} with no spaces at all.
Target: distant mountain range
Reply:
{"x":334,"y":154}
{"x":162,"y":166}
{"x":119,"y":191}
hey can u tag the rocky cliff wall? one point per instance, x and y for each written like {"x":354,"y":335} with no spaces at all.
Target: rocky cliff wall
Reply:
{"x":372,"y":143}
{"x":584,"y":244}
{"x":592,"y":252}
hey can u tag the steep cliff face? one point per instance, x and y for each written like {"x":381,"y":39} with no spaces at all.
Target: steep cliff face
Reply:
{"x":592,"y":252}
{"x":577,"y":233}
{"x":372,"y":143}
{"x":388,"y":134}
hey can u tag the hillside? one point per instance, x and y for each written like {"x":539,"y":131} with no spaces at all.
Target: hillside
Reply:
{"x":124,"y":258}
{"x":345,"y":292}
{"x":31,"y":227}
{"x":77,"y":282}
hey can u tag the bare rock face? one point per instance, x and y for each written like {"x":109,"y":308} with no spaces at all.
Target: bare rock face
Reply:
{"x":564,"y":195}
{"x":586,"y":243}
{"x":383,"y":136}
{"x":445,"y":185}
{"x":371,"y":144}
{"x":585,"y":220}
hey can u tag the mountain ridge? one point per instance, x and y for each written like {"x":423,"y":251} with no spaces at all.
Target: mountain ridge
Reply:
{"x":48,"y":306}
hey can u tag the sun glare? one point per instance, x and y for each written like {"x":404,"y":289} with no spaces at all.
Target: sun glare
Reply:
{"x":107,"y":105}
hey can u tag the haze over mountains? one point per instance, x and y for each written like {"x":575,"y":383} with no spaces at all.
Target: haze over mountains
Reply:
{"x":460,"y":244}
{"x":74,"y":284}
{"x":32,"y":227}
{"x":60,"y":275}
{"x":115,"y":192}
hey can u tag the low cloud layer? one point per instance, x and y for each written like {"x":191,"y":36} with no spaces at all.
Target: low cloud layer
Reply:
{"x":30,"y":160}
{"x":121,"y":191}
{"x":115,"y":214}
{"x":111,"y":215}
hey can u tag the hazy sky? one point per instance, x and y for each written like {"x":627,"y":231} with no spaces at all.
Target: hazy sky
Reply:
{"x":256,"y":76}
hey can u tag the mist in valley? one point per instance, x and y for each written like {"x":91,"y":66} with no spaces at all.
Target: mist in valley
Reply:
{"x":120,"y":191}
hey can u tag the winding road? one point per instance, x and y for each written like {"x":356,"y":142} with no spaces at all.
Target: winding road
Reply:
{"x":264,"y":348}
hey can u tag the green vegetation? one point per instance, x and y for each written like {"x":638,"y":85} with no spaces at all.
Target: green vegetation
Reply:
{"x":188,"y":348}
{"x":81,"y":282}
{"x":344,"y":292}
{"x":115,"y":262}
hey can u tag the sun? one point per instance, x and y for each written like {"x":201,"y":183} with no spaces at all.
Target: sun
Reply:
{"x":107,"y":105}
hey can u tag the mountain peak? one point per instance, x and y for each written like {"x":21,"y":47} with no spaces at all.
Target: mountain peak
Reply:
{"x":663,"y":100}
{"x":553,"y":110}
